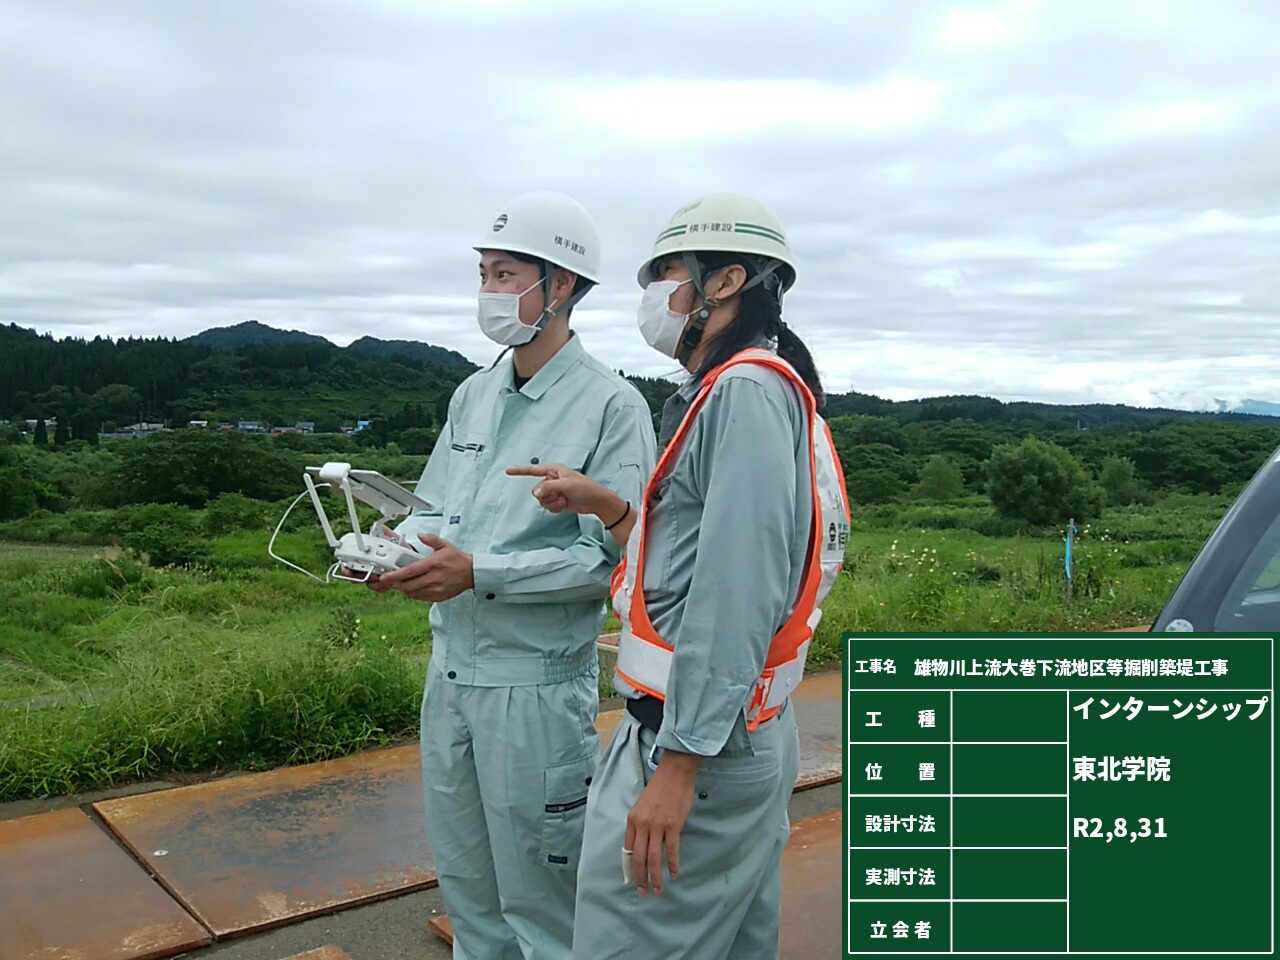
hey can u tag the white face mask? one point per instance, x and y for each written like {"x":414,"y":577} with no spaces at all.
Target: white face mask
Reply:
{"x":499,"y":318}
{"x":659,"y":325}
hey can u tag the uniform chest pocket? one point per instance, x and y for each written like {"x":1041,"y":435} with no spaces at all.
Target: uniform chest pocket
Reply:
{"x":468,"y":454}
{"x":519,"y":489}
{"x":546,"y":452}
{"x":517,"y":507}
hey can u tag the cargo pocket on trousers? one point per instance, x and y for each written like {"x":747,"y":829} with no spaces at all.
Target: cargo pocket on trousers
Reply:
{"x":565,"y":787}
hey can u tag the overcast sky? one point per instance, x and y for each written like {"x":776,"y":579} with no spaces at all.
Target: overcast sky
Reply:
{"x":1062,"y":200}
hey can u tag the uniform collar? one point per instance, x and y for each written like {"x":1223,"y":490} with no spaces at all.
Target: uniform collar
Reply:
{"x":552,"y":370}
{"x":689,"y":387}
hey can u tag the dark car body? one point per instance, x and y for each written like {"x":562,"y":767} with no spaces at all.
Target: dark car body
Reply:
{"x":1233,"y":585}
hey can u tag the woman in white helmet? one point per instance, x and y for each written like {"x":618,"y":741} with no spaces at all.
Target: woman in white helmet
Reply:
{"x":738,"y":536}
{"x":509,"y":745}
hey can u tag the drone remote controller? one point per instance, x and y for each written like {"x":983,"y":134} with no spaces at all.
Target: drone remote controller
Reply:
{"x":379,"y":551}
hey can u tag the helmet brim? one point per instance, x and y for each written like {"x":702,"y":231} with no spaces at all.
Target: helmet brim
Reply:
{"x":787,"y":271}
{"x":528,"y":251}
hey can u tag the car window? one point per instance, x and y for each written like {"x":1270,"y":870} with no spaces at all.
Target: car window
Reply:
{"x":1252,"y":600}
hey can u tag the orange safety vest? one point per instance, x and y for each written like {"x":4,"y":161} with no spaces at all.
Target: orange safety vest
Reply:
{"x":644,"y":658}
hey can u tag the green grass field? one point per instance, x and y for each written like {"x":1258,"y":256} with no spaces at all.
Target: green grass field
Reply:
{"x":136,"y":671}
{"x":112,"y":670}
{"x":926,"y":568}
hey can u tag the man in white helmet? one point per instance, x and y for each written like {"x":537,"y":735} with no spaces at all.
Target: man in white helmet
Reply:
{"x":509,"y":745}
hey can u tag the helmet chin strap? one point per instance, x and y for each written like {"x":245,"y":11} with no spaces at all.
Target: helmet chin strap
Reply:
{"x":693,"y":335}
{"x":551,"y":310}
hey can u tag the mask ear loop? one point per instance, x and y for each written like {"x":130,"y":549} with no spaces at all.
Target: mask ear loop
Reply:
{"x":548,"y":281}
{"x":552,"y":309}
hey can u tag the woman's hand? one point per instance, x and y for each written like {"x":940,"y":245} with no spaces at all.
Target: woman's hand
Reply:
{"x":563,"y":488}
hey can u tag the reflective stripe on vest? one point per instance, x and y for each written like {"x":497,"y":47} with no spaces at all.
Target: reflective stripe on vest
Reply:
{"x":644,"y":657}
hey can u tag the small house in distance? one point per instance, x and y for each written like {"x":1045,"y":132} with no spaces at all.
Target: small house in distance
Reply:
{"x":136,"y":431}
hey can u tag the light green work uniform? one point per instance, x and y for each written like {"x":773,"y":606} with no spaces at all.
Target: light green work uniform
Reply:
{"x":726,"y":543}
{"x":509,"y":744}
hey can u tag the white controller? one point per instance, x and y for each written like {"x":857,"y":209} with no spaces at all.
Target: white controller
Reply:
{"x":372,"y":554}
{"x":379,"y":551}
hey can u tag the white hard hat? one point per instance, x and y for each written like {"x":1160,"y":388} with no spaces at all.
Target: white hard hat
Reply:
{"x":550,"y":226}
{"x":723,"y":223}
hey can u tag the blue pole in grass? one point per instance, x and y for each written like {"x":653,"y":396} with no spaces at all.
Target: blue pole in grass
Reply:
{"x":1071,"y":532}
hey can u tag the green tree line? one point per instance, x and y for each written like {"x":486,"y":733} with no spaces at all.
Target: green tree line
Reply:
{"x":1038,"y":479}
{"x":1035,"y":462}
{"x":94,"y":385}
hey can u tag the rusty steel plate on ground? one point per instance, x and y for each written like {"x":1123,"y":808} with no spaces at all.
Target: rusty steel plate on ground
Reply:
{"x":68,"y":892}
{"x":442,"y":928}
{"x":813,"y":889}
{"x":258,"y":851}
{"x":819,"y":704}
{"x":328,"y":952}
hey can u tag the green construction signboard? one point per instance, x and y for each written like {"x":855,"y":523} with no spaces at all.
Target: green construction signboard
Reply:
{"x":1091,"y":794}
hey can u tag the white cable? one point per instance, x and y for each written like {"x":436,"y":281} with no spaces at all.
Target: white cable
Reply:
{"x":271,"y":544}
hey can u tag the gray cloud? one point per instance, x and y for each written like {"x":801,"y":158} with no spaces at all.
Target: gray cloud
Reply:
{"x":1025,"y":199}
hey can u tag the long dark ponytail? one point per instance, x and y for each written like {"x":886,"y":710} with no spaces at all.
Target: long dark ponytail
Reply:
{"x":759,"y":316}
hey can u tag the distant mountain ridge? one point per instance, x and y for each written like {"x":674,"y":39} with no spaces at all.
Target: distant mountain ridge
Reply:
{"x":250,"y":332}
{"x":1258,"y":408}
{"x":421,"y":352}
{"x":253,"y":333}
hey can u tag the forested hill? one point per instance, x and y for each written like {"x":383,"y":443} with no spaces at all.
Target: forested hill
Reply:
{"x":251,"y":371}
{"x":253,"y":333}
{"x":249,"y":333}
{"x":1050,"y":415}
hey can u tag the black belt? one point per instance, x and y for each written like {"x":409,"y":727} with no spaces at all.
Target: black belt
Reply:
{"x":647,"y":710}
